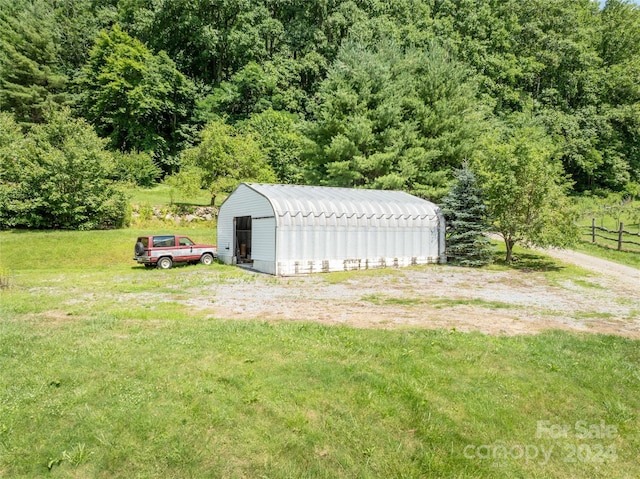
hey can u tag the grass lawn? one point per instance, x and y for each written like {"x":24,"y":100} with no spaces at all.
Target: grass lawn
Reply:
{"x":628,"y":258}
{"x":609,"y":217}
{"x":84,"y":250}
{"x":622,"y":257}
{"x":121,"y":390}
{"x":162,"y":194}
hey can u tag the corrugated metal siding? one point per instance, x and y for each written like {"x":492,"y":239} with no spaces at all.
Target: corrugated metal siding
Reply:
{"x":361,"y":243}
{"x":263,"y":238}
{"x":329,"y":229}
{"x":245,"y":201}
{"x":341,"y":201}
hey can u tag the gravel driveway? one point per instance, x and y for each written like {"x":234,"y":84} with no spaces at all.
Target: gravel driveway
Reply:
{"x":606,"y":299}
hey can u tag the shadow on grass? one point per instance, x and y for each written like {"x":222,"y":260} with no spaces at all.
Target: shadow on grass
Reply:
{"x":528,"y":262}
{"x":606,"y":249}
{"x":181,"y":264}
{"x":22,"y":230}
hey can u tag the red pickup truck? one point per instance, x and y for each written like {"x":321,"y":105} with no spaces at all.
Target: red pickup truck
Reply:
{"x":163,"y":250}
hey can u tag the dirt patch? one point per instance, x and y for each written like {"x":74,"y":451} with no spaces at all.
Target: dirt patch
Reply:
{"x":493,"y":302}
{"x":625,"y":276}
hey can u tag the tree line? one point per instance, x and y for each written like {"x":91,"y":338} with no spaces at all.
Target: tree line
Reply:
{"x":392,"y":94}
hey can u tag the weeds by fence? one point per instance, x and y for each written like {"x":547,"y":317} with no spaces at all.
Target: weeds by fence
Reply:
{"x":5,"y":279}
{"x":618,"y":237}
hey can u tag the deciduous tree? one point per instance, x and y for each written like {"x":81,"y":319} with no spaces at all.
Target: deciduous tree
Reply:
{"x":139,"y":100}
{"x":223,"y":158}
{"x":278,"y":134}
{"x":525,"y":187}
{"x":58,"y":176}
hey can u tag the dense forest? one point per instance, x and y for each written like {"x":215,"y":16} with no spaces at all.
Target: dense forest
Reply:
{"x":392,"y":94}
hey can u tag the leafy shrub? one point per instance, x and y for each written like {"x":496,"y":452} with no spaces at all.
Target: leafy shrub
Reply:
{"x":58,"y":176}
{"x":136,"y":167}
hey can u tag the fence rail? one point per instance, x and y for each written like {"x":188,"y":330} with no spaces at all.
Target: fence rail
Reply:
{"x":616,"y":236}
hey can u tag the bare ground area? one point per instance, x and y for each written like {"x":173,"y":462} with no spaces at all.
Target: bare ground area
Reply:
{"x":624,"y":274}
{"x":606,"y":299}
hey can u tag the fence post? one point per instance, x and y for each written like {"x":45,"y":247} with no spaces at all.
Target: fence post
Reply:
{"x":593,"y":230}
{"x":620,"y":236}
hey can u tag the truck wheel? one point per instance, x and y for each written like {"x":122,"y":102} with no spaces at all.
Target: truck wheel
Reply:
{"x":139,"y":248}
{"x":206,"y":258}
{"x":165,"y":263}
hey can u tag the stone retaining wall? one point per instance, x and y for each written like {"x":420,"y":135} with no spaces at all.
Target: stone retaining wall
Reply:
{"x":177,"y":215}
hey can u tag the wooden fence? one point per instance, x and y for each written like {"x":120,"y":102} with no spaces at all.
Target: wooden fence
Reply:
{"x":619,"y":237}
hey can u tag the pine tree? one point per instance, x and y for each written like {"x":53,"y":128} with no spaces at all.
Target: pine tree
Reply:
{"x":465,"y":213}
{"x":30,"y":77}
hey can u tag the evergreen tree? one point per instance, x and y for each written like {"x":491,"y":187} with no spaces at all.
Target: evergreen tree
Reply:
{"x":30,"y":77}
{"x":394,"y":118}
{"x":465,"y":213}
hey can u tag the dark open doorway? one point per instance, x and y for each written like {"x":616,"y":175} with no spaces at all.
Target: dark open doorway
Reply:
{"x":242,"y":226}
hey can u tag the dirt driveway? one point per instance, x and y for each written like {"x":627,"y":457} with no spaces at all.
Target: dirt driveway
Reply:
{"x":606,"y":299}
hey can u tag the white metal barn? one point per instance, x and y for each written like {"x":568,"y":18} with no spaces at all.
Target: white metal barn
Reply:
{"x":286,"y":229}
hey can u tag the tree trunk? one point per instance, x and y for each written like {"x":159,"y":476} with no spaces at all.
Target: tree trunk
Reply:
{"x":213,"y":200}
{"x":509,"y":245}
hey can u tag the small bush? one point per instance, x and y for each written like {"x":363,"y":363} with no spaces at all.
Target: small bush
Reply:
{"x":137,"y":168}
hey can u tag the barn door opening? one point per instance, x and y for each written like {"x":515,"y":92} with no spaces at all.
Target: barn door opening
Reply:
{"x":242,"y":226}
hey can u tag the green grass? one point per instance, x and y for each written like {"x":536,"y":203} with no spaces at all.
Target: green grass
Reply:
{"x":534,"y":261}
{"x":105,"y":372}
{"x":611,"y":222}
{"x":608,"y":213}
{"x":448,"y":302}
{"x":622,"y":257}
{"x":162,"y":195}
{"x":61,"y":250}
{"x":384,"y":300}
{"x":174,"y":396}
{"x":337,"y":277}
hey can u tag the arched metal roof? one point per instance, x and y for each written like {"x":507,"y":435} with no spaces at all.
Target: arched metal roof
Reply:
{"x":294,"y":200}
